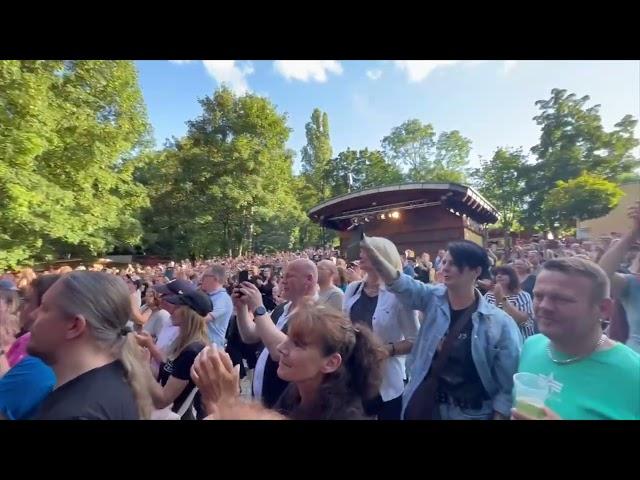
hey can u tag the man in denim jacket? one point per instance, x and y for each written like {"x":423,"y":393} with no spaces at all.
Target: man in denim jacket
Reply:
{"x":477,"y":379}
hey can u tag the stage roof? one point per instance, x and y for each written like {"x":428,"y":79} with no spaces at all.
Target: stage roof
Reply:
{"x":340,"y":212}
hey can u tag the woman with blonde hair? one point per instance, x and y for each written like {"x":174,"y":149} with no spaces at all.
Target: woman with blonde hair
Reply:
{"x":26,"y":276}
{"x":368,"y":302}
{"x":174,"y":384}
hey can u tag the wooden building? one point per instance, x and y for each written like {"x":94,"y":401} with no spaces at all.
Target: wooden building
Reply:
{"x":422,"y":217}
{"x":616,"y":221}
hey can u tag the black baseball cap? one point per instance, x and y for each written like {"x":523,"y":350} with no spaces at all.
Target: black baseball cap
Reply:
{"x":175,"y":287}
{"x":196,"y":300}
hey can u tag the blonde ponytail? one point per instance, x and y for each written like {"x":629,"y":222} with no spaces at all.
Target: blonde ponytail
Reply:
{"x":138,"y":377}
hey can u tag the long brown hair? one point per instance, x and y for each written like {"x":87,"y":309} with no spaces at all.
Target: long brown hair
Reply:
{"x":193,"y":328}
{"x":359,"y":376}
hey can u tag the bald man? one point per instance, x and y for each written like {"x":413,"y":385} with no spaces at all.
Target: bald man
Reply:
{"x":299,"y":281}
{"x":328,"y":293}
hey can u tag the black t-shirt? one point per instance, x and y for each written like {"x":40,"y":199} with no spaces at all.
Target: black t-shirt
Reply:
{"x":459,"y":377}
{"x":180,"y":367}
{"x":267,"y":295}
{"x":99,"y":394}
{"x":528,"y":284}
{"x":422,"y":274}
{"x":363,"y":309}
{"x":272,"y":384}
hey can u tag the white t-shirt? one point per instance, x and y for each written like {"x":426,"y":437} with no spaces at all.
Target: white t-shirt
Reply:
{"x":258,"y":376}
{"x":157,"y":321}
{"x":165,"y":338}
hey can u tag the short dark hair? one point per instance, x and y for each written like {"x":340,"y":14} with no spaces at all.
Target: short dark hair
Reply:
{"x":514,"y":283}
{"x":468,"y":254}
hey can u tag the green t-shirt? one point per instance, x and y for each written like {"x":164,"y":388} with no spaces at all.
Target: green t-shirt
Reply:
{"x":603,"y":386}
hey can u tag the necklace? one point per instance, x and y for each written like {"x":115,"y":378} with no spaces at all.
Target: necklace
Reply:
{"x":579,"y":357}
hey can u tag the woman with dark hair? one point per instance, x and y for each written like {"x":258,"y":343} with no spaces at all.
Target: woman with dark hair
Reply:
{"x":508,"y":296}
{"x":467,"y":351}
{"x":332,"y":365}
{"x":29,"y":380}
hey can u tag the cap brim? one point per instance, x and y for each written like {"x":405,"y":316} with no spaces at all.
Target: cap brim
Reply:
{"x":162,"y":289}
{"x":173,"y":299}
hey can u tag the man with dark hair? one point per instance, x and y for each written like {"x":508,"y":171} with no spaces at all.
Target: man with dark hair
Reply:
{"x":466,"y":353}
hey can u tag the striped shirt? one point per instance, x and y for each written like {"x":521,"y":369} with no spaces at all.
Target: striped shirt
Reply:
{"x":522,"y":301}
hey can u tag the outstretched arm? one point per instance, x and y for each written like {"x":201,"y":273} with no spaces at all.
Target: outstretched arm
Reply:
{"x":613,"y":257}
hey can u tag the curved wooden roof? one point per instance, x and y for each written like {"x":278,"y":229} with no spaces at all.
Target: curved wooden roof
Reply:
{"x":337,"y":212}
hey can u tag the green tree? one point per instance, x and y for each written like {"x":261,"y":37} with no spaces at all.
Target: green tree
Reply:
{"x":451,"y":158}
{"x":314,"y":184}
{"x":414,"y":146}
{"x":500,"y":180}
{"x":587,"y":196}
{"x":365,"y":168}
{"x":216,"y":189}
{"x":410,"y":145}
{"x":317,"y":153}
{"x":573,"y":140}
{"x":67,"y":132}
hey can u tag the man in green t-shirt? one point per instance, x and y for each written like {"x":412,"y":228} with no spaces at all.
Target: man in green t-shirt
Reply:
{"x":590,"y":376}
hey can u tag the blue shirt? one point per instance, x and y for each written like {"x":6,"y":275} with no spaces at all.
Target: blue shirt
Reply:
{"x":409,"y":270}
{"x":24,"y":387}
{"x":222,"y":311}
{"x":495,"y":342}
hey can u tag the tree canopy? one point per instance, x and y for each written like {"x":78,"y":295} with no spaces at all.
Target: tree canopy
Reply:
{"x":67,"y":133}
{"x":78,"y":174}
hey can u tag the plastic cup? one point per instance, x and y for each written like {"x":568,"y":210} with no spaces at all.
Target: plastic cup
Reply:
{"x":531,"y":391}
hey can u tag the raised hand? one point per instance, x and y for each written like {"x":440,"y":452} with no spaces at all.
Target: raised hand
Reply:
{"x":216,"y":377}
{"x":251,"y":294}
{"x":144,"y":339}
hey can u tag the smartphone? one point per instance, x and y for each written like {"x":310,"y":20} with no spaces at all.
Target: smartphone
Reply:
{"x":353,"y":249}
{"x":243,"y":276}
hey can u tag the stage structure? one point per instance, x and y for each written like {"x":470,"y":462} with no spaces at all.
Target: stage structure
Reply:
{"x":422,"y":217}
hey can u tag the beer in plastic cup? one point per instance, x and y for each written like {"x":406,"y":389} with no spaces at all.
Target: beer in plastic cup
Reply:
{"x":531,"y":391}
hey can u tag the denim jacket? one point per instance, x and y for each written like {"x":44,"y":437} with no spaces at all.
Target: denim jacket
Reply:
{"x":495,"y":344}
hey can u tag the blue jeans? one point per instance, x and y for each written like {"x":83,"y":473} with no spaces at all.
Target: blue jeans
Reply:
{"x":447,"y":411}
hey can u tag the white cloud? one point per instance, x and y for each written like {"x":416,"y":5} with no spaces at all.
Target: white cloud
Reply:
{"x":305,"y":70}
{"x":180,"y":62}
{"x":231,"y":73}
{"x":509,"y":65}
{"x":418,"y":70}
{"x":374,"y":74}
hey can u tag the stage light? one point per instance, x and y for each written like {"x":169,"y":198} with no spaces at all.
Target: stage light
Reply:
{"x":382,"y":217}
{"x":395,"y":215}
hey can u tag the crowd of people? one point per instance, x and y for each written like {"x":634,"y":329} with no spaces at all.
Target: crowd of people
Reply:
{"x":390,"y":336}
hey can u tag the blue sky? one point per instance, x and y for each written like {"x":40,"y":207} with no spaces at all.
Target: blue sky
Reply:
{"x":490,"y":102}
